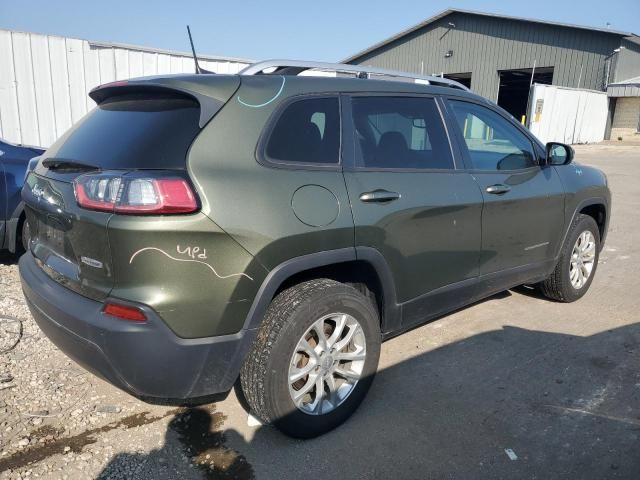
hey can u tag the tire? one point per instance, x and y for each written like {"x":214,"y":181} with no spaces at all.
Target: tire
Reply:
{"x":293,"y":315}
{"x":24,"y":235}
{"x":560,"y":286}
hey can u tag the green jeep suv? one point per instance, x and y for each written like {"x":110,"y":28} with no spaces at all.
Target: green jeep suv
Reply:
{"x":269,"y":229}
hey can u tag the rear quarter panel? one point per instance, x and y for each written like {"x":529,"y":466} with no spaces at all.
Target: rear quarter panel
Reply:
{"x":253,"y":202}
{"x":194,"y":275}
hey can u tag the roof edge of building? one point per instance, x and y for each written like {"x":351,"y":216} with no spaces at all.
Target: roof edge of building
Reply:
{"x":628,"y":81}
{"x":449,"y":11}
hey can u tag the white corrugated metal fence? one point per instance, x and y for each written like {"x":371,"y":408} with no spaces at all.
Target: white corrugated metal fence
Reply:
{"x":44,"y":79}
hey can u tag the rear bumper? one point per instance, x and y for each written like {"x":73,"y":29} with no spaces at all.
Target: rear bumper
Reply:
{"x":145,"y":359}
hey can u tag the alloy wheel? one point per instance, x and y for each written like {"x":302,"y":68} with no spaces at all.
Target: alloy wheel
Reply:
{"x":583,"y":258}
{"x":327,"y":363}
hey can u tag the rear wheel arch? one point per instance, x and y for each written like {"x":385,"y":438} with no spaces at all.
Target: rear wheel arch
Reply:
{"x":363,"y":268}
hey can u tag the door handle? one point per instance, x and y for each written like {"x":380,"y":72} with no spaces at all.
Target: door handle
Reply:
{"x":498,"y":189}
{"x":379,"y":196}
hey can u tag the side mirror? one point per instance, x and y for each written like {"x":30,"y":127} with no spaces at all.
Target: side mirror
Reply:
{"x":559,"y":153}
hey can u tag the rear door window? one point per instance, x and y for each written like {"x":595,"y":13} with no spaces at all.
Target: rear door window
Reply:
{"x":307,"y":131}
{"x":401,"y":133}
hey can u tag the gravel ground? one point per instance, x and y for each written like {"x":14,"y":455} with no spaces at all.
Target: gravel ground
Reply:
{"x":556,"y":385}
{"x":58,"y":421}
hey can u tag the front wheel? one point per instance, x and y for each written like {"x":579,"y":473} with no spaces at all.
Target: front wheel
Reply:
{"x":577,"y":264}
{"x":314,"y":358}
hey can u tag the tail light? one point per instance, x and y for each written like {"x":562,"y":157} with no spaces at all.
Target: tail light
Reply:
{"x":135,"y":194}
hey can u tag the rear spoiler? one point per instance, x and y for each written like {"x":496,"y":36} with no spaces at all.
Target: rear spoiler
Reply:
{"x":209,"y":105}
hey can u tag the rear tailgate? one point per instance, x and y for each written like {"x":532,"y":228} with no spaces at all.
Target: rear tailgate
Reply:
{"x":137,"y":126}
{"x":68,"y":242}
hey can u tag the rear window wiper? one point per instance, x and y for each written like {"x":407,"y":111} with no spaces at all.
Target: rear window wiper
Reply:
{"x":68,"y":165}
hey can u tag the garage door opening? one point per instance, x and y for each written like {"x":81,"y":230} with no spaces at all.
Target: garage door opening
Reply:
{"x":463,"y":78}
{"x":513,"y":93}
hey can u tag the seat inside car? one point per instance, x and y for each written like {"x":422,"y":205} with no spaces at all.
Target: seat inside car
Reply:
{"x":392,"y":149}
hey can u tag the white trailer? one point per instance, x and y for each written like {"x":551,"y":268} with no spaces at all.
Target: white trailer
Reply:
{"x":567,"y":115}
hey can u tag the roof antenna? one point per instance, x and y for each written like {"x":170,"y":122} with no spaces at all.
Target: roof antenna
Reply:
{"x":199,"y":70}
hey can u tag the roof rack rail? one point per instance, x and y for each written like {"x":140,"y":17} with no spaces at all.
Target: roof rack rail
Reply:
{"x":295,"y":67}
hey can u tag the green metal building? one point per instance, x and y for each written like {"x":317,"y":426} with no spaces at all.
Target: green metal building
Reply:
{"x":500,"y":56}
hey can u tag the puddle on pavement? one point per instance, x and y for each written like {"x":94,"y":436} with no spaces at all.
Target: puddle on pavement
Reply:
{"x":198,"y":430}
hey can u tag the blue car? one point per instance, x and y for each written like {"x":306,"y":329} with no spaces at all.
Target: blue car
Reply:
{"x":14,"y":164}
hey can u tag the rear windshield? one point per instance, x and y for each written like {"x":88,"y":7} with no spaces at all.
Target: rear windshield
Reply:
{"x":133,"y":131}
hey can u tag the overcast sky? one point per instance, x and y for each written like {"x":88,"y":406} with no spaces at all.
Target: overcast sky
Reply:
{"x":324,"y":30}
